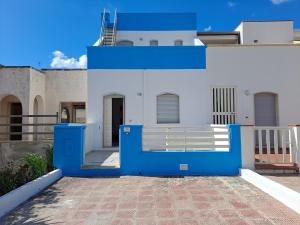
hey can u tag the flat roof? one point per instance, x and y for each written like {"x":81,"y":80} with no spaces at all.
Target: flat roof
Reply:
{"x":264,"y":21}
{"x":42,"y":69}
{"x":28,"y":67}
{"x":218,"y":33}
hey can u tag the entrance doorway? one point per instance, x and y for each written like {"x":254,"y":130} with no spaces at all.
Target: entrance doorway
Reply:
{"x":113,"y":118}
{"x":265,"y":109}
{"x":265,"y":114}
{"x":16,"y":110}
{"x":117,"y":119}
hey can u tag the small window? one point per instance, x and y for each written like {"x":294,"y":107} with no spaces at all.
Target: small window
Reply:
{"x":178,"y":43}
{"x":154,"y":43}
{"x":79,"y":111}
{"x":72,"y":112}
{"x":125,"y":43}
{"x":167,"y":108}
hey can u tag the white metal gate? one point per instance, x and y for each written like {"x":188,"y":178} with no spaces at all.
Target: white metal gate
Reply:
{"x":223,"y":107}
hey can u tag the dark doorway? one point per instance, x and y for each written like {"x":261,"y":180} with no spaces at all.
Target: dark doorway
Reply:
{"x":117,"y":119}
{"x":16,"y":109}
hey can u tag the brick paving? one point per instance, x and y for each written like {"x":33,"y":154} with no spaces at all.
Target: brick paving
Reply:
{"x":291,"y":181}
{"x":152,"y":200}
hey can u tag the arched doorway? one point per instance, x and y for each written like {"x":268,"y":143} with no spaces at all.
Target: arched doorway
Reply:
{"x":11,"y":108}
{"x":113,"y":117}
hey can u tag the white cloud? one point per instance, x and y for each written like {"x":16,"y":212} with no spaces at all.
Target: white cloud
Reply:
{"x":231,"y":4}
{"x":60,"y":60}
{"x":278,"y":2}
{"x":206,"y":29}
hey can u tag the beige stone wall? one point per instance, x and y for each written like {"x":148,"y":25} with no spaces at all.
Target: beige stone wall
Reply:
{"x":10,"y":151}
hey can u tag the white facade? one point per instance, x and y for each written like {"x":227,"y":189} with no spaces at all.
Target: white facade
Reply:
{"x":250,"y":70}
{"x":164,"y":38}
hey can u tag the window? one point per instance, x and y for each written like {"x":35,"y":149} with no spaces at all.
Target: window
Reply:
{"x":79,"y":113}
{"x":167,"y":108}
{"x":178,"y":43}
{"x":72,"y":112}
{"x":65,"y":116}
{"x":125,"y":43}
{"x":154,"y":43}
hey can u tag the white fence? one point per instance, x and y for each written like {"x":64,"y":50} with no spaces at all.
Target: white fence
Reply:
{"x":275,"y":145}
{"x":197,"y":138}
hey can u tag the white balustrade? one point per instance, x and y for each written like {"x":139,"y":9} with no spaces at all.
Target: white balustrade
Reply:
{"x":275,"y":145}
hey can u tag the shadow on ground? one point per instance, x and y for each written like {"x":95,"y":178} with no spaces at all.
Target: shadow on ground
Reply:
{"x":27,"y":214}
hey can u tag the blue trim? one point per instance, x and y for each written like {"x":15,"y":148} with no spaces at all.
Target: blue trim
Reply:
{"x":147,"y":57}
{"x":156,"y":21}
{"x":209,"y":163}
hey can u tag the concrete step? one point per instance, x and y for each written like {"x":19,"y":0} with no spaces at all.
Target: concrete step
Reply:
{"x":277,"y":168}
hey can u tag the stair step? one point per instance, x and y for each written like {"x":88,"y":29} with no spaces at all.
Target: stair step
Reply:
{"x":288,"y":166}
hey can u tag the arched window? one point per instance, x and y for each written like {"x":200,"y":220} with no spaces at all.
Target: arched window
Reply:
{"x":167,"y":106}
{"x":178,"y":42}
{"x":65,"y":115}
{"x":154,"y":43}
{"x":125,"y":43}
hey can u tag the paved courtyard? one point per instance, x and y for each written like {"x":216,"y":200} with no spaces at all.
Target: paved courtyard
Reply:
{"x":152,"y":200}
{"x":291,"y":181}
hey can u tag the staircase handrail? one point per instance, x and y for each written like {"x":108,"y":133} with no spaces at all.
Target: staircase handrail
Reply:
{"x":115,"y":28}
{"x":102,"y":26}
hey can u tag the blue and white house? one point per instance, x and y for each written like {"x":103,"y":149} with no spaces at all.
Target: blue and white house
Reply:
{"x":167,"y":99}
{"x":151,"y":66}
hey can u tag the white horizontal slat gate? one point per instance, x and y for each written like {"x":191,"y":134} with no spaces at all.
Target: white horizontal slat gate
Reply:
{"x":201,"y":138}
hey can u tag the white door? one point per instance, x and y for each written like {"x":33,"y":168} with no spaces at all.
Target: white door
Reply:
{"x":107,"y":121}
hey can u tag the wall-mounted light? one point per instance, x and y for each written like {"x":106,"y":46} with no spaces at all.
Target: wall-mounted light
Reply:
{"x":247,"y":92}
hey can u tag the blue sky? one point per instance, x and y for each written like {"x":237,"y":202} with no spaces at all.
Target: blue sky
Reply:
{"x":36,"y":32}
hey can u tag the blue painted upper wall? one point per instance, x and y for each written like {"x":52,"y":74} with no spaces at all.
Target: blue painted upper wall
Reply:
{"x":156,"y":21}
{"x":146,"y":57}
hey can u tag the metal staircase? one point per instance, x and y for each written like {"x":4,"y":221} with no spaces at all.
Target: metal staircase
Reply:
{"x":108,"y":30}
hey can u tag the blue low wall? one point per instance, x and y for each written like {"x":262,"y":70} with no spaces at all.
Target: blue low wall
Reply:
{"x":134,"y":161}
{"x":69,"y":149}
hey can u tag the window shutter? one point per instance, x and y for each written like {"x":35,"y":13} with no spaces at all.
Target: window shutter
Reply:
{"x":167,"y":108}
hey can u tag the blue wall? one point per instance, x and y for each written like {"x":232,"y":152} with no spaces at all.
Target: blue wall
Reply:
{"x":69,"y":148}
{"x":68,"y":145}
{"x":156,"y":21}
{"x":147,"y":57}
{"x":136,"y":162}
